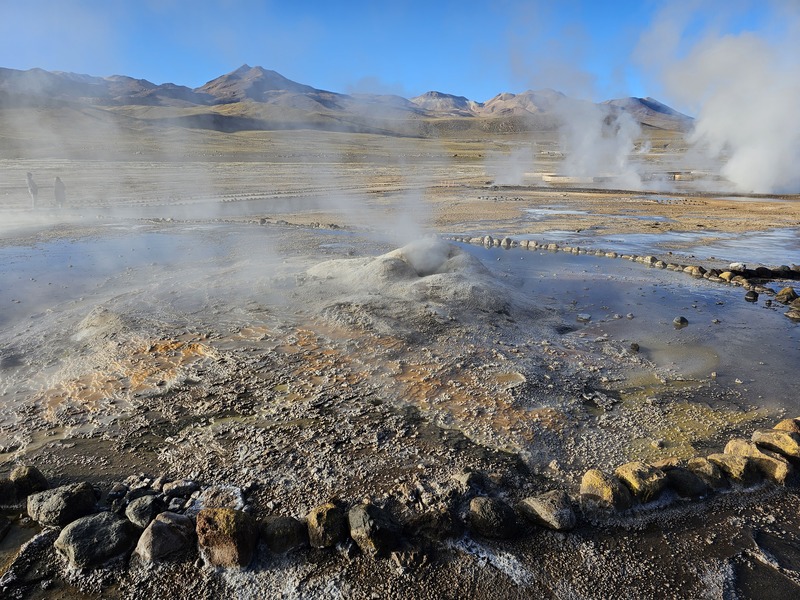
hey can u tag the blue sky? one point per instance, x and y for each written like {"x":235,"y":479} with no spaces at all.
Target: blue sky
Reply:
{"x":475,"y":49}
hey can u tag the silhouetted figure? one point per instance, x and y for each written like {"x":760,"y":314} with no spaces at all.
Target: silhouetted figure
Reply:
{"x":61,"y":192}
{"x":33,"y":189}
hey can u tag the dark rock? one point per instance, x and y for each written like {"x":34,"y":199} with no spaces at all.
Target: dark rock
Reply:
{"x":182,"y":487}
{"x":600,"y":491}
{"x":327,"y":526}
{"x":137,"y":493}
{"x":28,"y":480}
{"x":5,"y":526}
{"x":143,"y":510}
{"x":492,"y":518}
{"x":686,"y":483}
{"x":373,"y":530}
{"x":118,"y":490}
{"x":644,"y":481}
{"x":284,"y":534}
{"x":552,"y":510}
{"x":62,"y":505}
{"x":227,"y":537}
{"x":708,"y":472}
{"x":472,"y":482}
{"x":680,"y":322}
{"x":95,"y":540}
{"x":8,"y":492}
{"x":751,"y":296}
{"x":169,"y":537}
{"x":435,"y":525}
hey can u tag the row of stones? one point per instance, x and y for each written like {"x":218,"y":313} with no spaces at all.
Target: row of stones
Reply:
{"x":736,"y":274}
{"x":161,"y":521}
{"x":146,"y":516}
{"x":770,"y":454}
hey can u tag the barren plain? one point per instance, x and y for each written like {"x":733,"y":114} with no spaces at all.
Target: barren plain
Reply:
{"x":312,"y":317}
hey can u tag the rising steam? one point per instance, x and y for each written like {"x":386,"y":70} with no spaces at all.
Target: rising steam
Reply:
{"x":743,"y":90}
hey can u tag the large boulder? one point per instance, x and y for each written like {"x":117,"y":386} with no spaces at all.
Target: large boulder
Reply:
{"x":8,"y":492}
{"x":95,"y":540}
{"x":28,"y":480}
{"x":62,"y":505}
{"x":492,"y":518}
{"x":739,"y":469}
{"x":710,"y":473}
{"x":552,"y":510}
{"x":772,"y":466}
{"x":600,"y":491}
{"x":783,"y":442}
{"x":373,"y":530}
{"x":327,"y":525}
{"x":143,"y":510}
{"x":169,"y":537}
{"x":227,"y":537}
{"x":284,"y":534}
{"x":646,"y":482}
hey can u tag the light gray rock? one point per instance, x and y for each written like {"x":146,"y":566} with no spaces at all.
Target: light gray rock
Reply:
{"x":143,"y":510}
{"x":62,"y":505}
{"x":95,"y":540}
{"x":552,"y":510}
{"x":170,"y":537}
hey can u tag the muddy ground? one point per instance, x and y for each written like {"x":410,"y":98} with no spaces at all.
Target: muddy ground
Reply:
{"x":259,"y":335}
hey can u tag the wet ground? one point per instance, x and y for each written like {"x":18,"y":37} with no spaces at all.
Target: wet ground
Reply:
{"x":210,"y":348}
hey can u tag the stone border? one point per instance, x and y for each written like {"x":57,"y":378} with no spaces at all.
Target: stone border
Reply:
{"x":737,"y":274}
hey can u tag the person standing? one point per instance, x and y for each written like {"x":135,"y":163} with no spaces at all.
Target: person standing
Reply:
{"x":60,"y":191}
{"x":33,"y":189}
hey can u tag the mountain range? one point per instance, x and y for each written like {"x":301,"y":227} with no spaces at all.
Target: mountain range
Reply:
{"x":257,"y":98}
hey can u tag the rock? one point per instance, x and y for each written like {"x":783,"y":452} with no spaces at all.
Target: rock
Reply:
{"x":95,"y":540}
{"x":492,"y":518}
{"x":786,"y":295}
{"x":182,"y":487}
{"x":435,"y":525}
{"x":708,"y":472}
{"x":695,"y":270}
{"x":792,"y":425}
{"x":793,"y":314}
{"x":740,"y":469}
{"x":605,"y":492}
{"x":552,"y":510}
{"x":751,"y":296}
{"x":583,"y":317}
{"x":644,"y":481}
{"x":686,"y":483}
{"x":169,"y":537}
{"x":28,"y":480}
{"x":222,"y":496}
{"x":680,"y":322}
{"x":771,"y":465}
{"x":634,"y":347}
{"x":470,"y":482}
{"x":8,"y":492}
{"x":284,"y":534}
{"x":226,"y":537}
{"x":143,"y":510}
{"x":373,"y":530}
{"x":737,"y":266}
{"x":118,"y":490}
{"x":62,"y":505}
{"x":726,"y":276}
{"x":786,"y":443}
{"x":327,"y":526}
